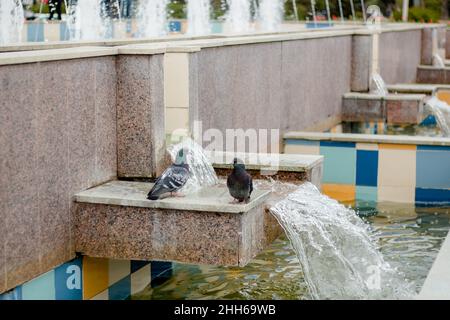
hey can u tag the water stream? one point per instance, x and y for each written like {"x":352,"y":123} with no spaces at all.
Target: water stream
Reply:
{"x":441,"y":111}
{"x":337,"y":252}
{"x":198,"y":14}
{"x":11,"y":21}
{"x":152,"y":18}
{"x":238,"y":16}
{"x":378,"y":85}
{"x":271,"y":14}
{"x":86,"y":21}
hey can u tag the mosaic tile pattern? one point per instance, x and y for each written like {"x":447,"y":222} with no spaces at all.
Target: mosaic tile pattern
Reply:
{"x":381,"y":172}
{"x":86,"y":278}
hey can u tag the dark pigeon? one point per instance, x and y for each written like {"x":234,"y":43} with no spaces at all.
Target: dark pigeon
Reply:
{"x":239,"y":182}
{"x":173,"y":179}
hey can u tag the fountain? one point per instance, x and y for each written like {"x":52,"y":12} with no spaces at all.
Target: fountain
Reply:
{"x":238,"y":16}
{"x":377,"y":85}
{"x":86,"y":21}
{"x":336,"y":249}
{"x":271,"y":14}
{"x":441,"y":112}
{"x":198,"y":17}
{"x":152,"y":18}
{"x":438,"y":61}
{"x":202,"y":172}
{"x":11,"y":21}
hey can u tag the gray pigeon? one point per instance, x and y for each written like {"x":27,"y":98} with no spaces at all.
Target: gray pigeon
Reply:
{"x":239,"y":182}
{"x":172,"y":179}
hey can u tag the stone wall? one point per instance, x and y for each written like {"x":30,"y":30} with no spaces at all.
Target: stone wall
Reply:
{"x":289,"y":85}
{"x":400,"y":54}
{"x":58,"y":137}
{"x":447,"y":44}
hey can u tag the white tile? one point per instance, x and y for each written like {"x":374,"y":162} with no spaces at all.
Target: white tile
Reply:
{"x":176,"y":80}
{"x":397,"y":167}
{"x":118,"y":269}
{"x":301,"y":149}
{"x":396,"y":194}
{"x":140,"y":279}
{"x":102,"y":296}
{"x":177,"y":119}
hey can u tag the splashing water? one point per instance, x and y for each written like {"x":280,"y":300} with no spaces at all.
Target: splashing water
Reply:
{"x":198,"y":17}
{"x":338,"y":254}
{"x":11,"y":21}
{"x":86,"y":21}
{"x":378,"y":85}
{"x":441,"y":111}
{"x":438,"y":61}
{"x":152,"y":18}
{"x":271,"y":14}
{"x":202,"y":172}
{"x":238,"y":16}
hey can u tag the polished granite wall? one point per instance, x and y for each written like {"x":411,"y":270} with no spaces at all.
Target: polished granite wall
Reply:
{"x":58,"y":137}
{"x":277,"y":85}
{"x":400,"y":54}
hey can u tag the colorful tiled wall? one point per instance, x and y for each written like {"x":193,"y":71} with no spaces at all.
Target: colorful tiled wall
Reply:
{"x":86,"y":278}
{"x":381,"y":172}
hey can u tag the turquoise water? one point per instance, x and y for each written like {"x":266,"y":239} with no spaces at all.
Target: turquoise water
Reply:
{"x":428,"y":128}
{"x":409,"y":238}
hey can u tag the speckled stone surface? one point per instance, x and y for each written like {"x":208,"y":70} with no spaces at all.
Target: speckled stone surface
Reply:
{"x":57,"y":139}
{"x":428,"y":74}
{"x":140,"y":115}
{"x":427,"y":47}
{"x":208,"y":231}
{"x":399,"y":56}
{"x":404,"y":111}
{"x":361,"y":60}
{"x":447,"y":43}
{"x":363,"y":109}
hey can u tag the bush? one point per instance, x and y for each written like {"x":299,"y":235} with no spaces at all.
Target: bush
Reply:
{"x":418,"y":14}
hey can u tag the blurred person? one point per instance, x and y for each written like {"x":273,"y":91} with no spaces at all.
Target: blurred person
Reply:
{"x":55,"y":7}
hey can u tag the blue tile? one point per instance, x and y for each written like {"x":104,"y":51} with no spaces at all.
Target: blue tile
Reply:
{"x":437,"y":196}
{"x":41,"y":288}
{"x":68,"y":281}
{"x":35,"y":32}
{"x":64,"y":32}
{"x":121,"y":290}
{"x":433,"y":148}
{"x":342,"y":144}
{"x":302,"y":142}
{"x":364,"y":193}
{"x":433,"y":169}
{"x":367,"y":168}
{"x":15,"y":294}
{"x":161,"y":272}
{"x":136,"y":265}
{"x":339,"y":165}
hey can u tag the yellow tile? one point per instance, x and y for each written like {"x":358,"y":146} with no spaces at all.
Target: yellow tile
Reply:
{"x":397,"y":146}
{"x":366,"y":146}
{"x":396,"y":194}
{"x":104,"y":295}
{"x":118,"y":269}
{"x":397,"y":167}
{"x":341,"y":192}
{"x":444,"y":95}
{"x":301,"y":149}
{"x":176,"y":80}
{"x":176,"y":119}
{"x":95,"y":276}
{"x":140,"y":279}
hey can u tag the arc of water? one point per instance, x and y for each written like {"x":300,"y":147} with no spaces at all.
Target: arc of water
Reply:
{"x":313,"y":9}
{"x":341,"y":12}
{"x":363,"y":8}
{"x":352,"y":7}
{"x":294,"y":5}
{"x":327,"y":5}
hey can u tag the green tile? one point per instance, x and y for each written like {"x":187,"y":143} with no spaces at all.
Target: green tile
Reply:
{"x":41,"y":288}
{"x":339,"y":165}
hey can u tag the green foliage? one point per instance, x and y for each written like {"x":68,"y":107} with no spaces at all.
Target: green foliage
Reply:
{"x":418,"y":14}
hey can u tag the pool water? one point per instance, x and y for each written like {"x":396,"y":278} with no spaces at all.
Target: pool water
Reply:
{"x":409,"y":238}
{"x":427,"y":128}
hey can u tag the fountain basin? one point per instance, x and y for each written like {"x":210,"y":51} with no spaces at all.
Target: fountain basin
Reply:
{"x":433,"y":75}
{"x":114,"y":220}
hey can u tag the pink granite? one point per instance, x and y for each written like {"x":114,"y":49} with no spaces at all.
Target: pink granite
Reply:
{"x":404,"y":111}
{"x":172,"y":235}
{"x":433,"y":75}
{"x":363,"y":109}
{"x":58,"y":137}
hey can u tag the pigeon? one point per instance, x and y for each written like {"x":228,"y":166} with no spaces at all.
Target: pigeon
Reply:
{"x":172,"y":179}
{"x":239,"y":182}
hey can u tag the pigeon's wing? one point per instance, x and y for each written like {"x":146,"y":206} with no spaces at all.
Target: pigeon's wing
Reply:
{"x":251,"y":185}
{"x":173,"y":179}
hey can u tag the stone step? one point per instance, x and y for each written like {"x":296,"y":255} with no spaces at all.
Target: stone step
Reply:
{"x":115,"y":220}
{"x":393,"y":108}
{"x":421,"y":88}
{"x":293,"y":168}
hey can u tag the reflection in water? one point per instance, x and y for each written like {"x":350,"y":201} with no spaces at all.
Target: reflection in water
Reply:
{"x":427,"y":129}
{"x":409,"y":239}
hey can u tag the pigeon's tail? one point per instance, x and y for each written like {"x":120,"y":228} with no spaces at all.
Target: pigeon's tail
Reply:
{"x":156,"y":192}
{"x":152,"y":197}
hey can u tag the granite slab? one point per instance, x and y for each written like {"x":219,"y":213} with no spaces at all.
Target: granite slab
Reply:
{"x":133,"y":194}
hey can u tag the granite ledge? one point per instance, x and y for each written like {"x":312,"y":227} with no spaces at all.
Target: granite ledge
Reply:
{"x":133,"y":194}
{"x":391,"y":96}
{"x":266,"y":161}
{"x":367,"y":138}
